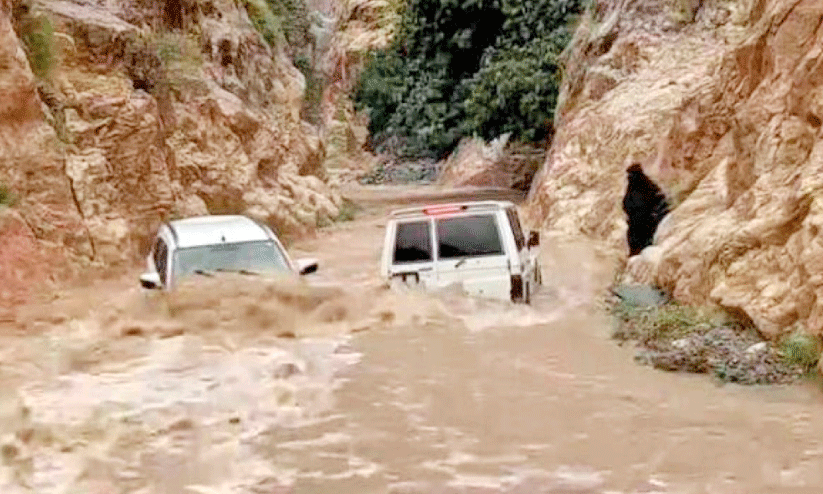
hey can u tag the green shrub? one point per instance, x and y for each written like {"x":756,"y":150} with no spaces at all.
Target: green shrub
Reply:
{"x":801,"y":349}
{"x":294,"y":21}
{"x":658,"y":323}
{"x":348,"y":211}
{"x":683,"y":11}
{"x":281,"y":21}
{"x":37,"y":35}
{"x":313,"y":96}
{"x":7,"y":197}
{"x":267,"y":24}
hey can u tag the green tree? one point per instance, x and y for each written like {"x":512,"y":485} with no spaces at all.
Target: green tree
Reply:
{"x":481,"y":67}
{"x":515,"y":91}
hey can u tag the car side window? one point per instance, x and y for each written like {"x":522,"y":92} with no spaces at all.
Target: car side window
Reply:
{"x":468,"y":236}
{"x":161,"y":258}
{"x":413,"y":242}
{"x":514,"y":221}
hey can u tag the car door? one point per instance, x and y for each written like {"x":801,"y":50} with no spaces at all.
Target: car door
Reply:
{"x":412,"y":253}
{"x":523,"y":253}
{"x":472,"y":254}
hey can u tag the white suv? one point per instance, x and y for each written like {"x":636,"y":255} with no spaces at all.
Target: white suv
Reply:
{"x":477,"y":245}
{"x":210,"y":244}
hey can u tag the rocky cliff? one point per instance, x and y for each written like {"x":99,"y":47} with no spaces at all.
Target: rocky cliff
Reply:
{"x":722,"y":103}
{"x":117,"y":115}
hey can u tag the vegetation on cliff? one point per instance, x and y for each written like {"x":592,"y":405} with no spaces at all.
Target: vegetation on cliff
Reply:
{"x":37,"y":35}
{"x":476,"y":67}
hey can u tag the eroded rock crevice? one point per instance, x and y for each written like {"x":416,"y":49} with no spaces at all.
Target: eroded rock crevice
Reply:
{"x":80,"y":210}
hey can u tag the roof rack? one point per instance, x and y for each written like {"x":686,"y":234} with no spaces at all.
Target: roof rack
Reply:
{"x":451,"y":208}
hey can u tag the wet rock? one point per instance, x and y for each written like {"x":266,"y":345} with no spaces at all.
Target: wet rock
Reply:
{"x":681,"y":343}
{"x":640,"y":295}
{"x":730,"y":354}
{"x":757,"y":348}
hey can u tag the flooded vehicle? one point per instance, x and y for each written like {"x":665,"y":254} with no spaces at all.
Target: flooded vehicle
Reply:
{"x":217,"y":243}
{"x":227,"y":386}
{"x":478,"y":246}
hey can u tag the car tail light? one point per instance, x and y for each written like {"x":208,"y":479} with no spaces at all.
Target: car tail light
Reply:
{"x":438,"y":210}
{"x":516,"y":287}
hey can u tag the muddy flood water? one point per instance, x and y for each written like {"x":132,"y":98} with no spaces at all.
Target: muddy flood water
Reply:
{"x":339,"y":386}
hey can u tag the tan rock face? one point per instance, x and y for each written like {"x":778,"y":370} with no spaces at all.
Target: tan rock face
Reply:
{"x":149,"y":114}
{"x":30,"y":166}
{"x":24,"y":261}
{"x":350,"y":30}
{"x":726,"y":115}
{"x":499,"y":163}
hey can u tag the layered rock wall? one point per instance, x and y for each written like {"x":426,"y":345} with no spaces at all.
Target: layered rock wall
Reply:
{"x":723,"y":109}
{"x":153,"y":110}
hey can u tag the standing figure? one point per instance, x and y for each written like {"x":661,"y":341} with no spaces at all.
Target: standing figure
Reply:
{"x":645,"y":205}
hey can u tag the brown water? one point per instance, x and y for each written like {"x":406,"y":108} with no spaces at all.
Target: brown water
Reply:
{"x":372,"y":391}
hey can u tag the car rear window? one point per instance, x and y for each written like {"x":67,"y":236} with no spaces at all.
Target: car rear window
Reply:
{"x":468,"y":236}
{"x":413,"y":242}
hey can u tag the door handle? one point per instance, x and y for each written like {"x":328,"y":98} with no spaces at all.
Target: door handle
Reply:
{"x":460,"y":263}
{"x":425,"y":269}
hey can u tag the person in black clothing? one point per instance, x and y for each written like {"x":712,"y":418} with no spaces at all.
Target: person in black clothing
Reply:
{"x":645,"y":205}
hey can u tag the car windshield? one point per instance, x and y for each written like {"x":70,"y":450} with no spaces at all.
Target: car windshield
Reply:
{"x":262,"y":256}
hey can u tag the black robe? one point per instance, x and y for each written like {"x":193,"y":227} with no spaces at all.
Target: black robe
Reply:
{"x":645,"y":205}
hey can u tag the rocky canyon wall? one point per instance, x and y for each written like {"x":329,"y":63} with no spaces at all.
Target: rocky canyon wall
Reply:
{"x":722,"y":103}
{"x":146,"y":111}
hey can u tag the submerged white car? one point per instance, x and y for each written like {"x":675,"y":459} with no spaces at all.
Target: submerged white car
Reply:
{"x":479,"y":246}
{"x":216,"y":243}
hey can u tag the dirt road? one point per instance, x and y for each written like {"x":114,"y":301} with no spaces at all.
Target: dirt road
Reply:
{"x":115,"y":391}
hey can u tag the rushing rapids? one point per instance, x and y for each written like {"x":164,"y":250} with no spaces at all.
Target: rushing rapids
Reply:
{"x":238,"y":385}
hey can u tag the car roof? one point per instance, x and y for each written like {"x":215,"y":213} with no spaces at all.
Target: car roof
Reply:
{"x":451,"y":208}
{"x":215,"y":229}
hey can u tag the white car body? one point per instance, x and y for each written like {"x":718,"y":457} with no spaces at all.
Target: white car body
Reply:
{"x":214,"y":243}
{"x":479,"y":246}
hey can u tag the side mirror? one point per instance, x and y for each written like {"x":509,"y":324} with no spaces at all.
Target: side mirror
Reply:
{"x":306,"y":266}
{"x":150,"y":281}
{"x":534,"y":239}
